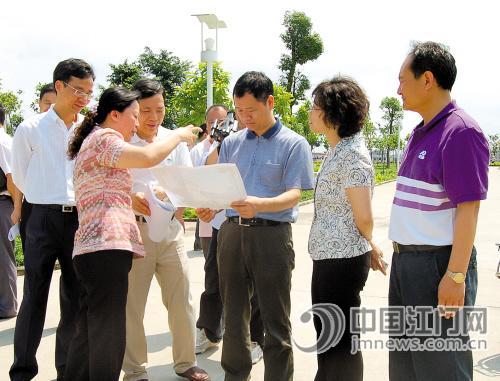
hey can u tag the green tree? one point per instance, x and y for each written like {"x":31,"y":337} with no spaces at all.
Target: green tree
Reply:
{"x":170,"y":70}
{"x":393,"y":117}
{"x":189,"y":102}
{"x":283,"y":100}
{"x":304,"y":46}
{"x":298,"y":122}
{"x":370,"y":134}
{"x":12,"y":103}
{"x":125,"y":74}
{"x":302,"y":118}
{"x":166,"y":68}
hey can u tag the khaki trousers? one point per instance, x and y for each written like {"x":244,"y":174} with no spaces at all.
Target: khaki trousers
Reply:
{"x":168,"y":261}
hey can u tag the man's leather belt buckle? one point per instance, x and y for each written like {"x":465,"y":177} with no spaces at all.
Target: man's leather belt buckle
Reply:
{"x":253,"y":221}
{"x":67,"y":208}
{"x":241,"y":223}
{"x":395,"y":247}
{"x":398,"y":248}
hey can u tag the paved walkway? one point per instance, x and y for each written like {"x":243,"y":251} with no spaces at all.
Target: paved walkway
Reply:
{"x":375,"y":294}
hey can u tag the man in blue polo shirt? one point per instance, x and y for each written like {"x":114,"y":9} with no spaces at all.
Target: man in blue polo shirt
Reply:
{"x":443,"y":177}
{"x":255,"y":249}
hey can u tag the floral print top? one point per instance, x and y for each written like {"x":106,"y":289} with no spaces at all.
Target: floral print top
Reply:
{"x":333,"y":232}
{"x":102,"y":191}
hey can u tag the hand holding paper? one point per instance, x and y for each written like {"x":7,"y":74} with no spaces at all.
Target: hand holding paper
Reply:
{"x":210,"y":186}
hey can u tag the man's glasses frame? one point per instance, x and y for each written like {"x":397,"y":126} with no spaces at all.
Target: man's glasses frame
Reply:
{"x":79,"y":93}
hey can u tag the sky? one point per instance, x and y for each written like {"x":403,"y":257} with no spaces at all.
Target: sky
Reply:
{"x":367,"y":40}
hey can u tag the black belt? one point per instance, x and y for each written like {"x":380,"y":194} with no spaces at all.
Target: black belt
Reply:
{"x":140,"y":219}
{"x":60,"y":208}
{"x":254,"y":221}
{"x":5,"y":197}
{"x":398,"y":248}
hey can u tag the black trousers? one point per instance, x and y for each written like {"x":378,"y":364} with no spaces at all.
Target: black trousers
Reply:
{"x":339,"y":281}
{"x":414,"y":281}
{"x":26,"y":208}
{"x":49,"y":236}
{"x":96,"y":352}
{"x":211,"y":309}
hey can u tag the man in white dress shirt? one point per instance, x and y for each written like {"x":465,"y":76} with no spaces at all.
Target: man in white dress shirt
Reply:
{"x":8,"y":270}
{"x":42,"y":172}
{"x":167,"y":259}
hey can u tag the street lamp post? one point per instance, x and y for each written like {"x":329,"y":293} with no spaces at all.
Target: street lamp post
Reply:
{"x":209,"y":51}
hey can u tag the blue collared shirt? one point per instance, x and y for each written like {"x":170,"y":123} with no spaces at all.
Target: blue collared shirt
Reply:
{"x":270,"y":165}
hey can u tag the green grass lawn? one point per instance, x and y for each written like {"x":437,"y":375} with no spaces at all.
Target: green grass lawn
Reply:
{"x":382,"y":173}
{"x":19,"y":252}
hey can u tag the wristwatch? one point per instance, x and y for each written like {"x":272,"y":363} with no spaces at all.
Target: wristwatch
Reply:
{"x":457,"y":277}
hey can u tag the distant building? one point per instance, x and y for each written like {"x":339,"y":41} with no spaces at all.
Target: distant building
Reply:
{"x":318,"y":153}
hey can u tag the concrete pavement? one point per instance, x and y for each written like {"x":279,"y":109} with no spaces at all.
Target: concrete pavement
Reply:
{"x":375,"y":294}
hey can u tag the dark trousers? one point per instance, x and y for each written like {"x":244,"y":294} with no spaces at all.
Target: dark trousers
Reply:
{"x":8,"y":268}
{"x":414,"y":281}
{"x":49,"y":236}
{"x":339,"y":281}
{"x":210,"y":318}
{"x":197,"y":243}
{"x":26,"y":208}
{"x":257,"y":260}
{"x":96,"y":352}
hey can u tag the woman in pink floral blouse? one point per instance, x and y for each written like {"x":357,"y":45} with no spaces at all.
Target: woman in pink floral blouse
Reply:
{"x":107,"y":237}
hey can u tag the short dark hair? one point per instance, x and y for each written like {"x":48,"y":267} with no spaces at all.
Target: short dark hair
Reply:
{"x":147,"y":88}
{"x":256,"y":83}
{"x":2,"y":114}
{"x":215,"y":106}
{"x":47,"y":88}
{"x":436,"y":58}
{"x":72,"y":67}
{"x":344,"y":104}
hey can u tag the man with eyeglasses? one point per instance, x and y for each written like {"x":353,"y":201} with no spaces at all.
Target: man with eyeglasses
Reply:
{"x":43,"y":173}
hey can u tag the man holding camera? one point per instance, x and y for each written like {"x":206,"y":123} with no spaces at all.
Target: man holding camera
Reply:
{"x":255,"y":250}
{"x":215,"y":114}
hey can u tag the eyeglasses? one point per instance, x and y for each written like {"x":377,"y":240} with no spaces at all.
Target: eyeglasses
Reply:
{"x":79,"y":93}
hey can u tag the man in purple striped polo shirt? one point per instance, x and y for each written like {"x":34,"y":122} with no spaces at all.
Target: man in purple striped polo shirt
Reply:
{"x":443,"y":177}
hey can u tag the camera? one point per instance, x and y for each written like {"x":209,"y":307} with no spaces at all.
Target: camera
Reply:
{"x":222,"y":130}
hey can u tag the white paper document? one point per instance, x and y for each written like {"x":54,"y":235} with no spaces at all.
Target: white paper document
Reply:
{"x":13,"y":232}
{"x":162,"y":216}
{"x":210,"y":186}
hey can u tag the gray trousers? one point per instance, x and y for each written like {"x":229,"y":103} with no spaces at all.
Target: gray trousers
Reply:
{"x":256,"y":259}
{"x":8,"y":269}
